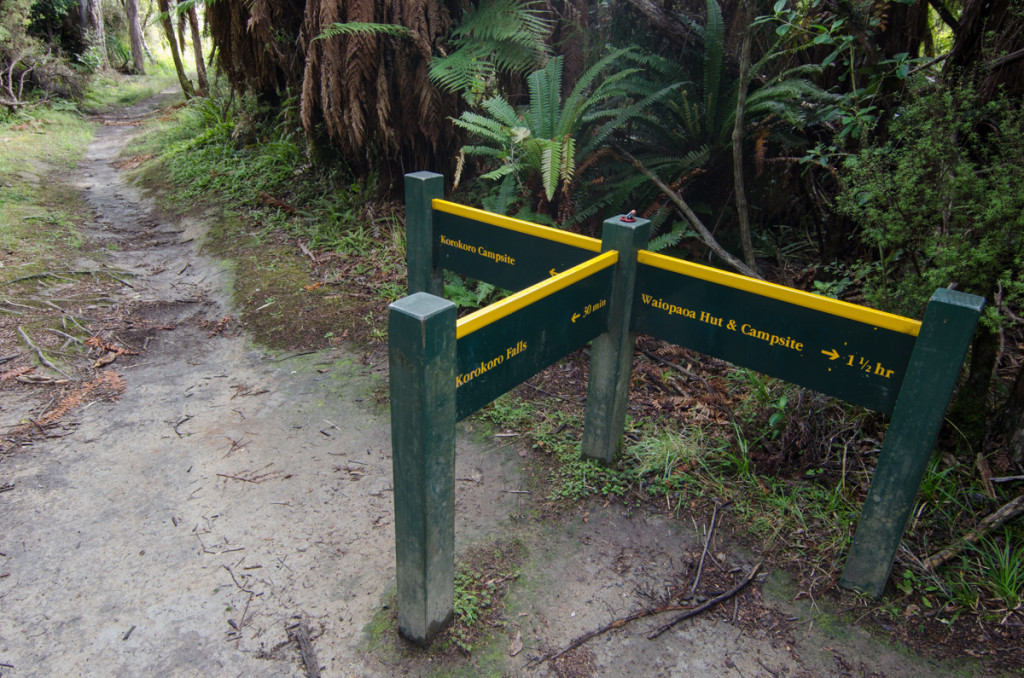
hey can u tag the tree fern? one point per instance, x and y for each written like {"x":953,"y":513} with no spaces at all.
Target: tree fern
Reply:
{"x":495,"y":36}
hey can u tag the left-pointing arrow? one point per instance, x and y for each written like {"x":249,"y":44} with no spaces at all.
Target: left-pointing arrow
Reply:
{"x":552,"y":272}
{"x":575,"y":316}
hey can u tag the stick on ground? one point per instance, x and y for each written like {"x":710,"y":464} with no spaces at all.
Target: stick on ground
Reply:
{"x":42,"y":357}
{"x":707,"y":605}
{"x":988,"y":523}
{"x":618,"y":623}
{"x":300,"y":635}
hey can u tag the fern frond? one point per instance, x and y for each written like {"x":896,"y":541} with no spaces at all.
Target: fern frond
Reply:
{"x":496,"y":35}
{"x":545,"y":98}
{"x":502,"y":111}
{"x":363,"y":28}
{"x":483,"y":127}
{"x":501,"y":171}
{"x":499,"y":202}
{"x":549,"y":165}
{"x":485,"y":151}
{"x":567,"y":166}
{"x":671,"y":238}
{"x":714,"y":63}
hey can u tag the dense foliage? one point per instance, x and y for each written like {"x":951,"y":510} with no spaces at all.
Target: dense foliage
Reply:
{"x":726,"y":123}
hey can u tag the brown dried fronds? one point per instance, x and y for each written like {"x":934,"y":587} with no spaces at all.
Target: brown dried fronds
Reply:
{"x":107,"y":386}
{"x":15,"y":373}
{"x":107,"y":347}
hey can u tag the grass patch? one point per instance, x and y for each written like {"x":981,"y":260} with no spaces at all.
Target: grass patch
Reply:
{"x":39,"y":215}
{"x":110,"y":90}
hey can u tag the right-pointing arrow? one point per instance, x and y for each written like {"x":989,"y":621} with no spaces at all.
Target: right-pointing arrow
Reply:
{"x":832,"y":354}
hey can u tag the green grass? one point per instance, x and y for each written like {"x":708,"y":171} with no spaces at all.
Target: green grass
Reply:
{"x":109,"y":90}
{"x":38,"y":214}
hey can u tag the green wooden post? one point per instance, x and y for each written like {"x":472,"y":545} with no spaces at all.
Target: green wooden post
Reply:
{"x":934,"y":367}
{"x":611,"y":354}
{"x":420,"y":189}
{"x":421,"y":357}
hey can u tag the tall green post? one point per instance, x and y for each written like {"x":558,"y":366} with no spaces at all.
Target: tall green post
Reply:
{"x":611,"y":353}
{"x":421,"y":358}
{"x":420,"y":189}
{"x":934,"y":367}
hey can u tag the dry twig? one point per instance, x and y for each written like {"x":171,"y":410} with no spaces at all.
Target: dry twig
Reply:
{"x":42,"y":357}
{"x":707,"y":605}
{"x":988,"y":523}
{"x":300,"y":635}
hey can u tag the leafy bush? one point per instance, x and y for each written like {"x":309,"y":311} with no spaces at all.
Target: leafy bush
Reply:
{"x":944,"y":190}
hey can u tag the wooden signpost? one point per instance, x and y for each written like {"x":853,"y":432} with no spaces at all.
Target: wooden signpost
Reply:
{"x":576,"y":290}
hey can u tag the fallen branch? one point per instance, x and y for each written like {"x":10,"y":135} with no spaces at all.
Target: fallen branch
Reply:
{"x":704,"y":553}
{"x":988,"y":523}
{"x":616,"y":624}
{"x":42,"y":357}
{"x":300,"y":635}
{"x":691,"y":216}
{"x":707,"y":605}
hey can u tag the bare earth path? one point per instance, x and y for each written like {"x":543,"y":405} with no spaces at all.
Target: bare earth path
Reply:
{"x":230,"y":494}
{"x":225,"y":496}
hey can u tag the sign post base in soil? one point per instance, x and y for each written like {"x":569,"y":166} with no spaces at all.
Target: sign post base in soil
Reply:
{"x":932,"y":372}
{"x":421,"y":358}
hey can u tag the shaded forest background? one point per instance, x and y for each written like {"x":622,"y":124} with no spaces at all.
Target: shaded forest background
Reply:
{"x":865,"y":149}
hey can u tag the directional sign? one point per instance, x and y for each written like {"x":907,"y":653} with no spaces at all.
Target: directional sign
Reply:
{"x":504,"y":344}
{"x":509,"y":253}
{"x":847,"y":351}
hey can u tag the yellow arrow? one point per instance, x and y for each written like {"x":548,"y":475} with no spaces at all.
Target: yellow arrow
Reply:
{"x":574,"y":316}
{"x":552,"y":272}
{"x":832,"y":354}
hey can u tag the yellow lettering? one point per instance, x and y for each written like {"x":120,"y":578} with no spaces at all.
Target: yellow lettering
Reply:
{"x":771,"y":339}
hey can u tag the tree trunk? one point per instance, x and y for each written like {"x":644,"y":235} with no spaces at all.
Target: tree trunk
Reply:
{"x":93,"y":34}
{"x":165,"y":19}
{"x":970,"y":410}
{"x":989,"y":28}
{"x":1013,"y":419}
{"x":135,"y":31}
{"x":197,"y":46}
{"x":742,"y":210}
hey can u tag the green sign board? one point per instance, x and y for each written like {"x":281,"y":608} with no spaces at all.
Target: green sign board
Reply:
{"x":507,"y":343}
{"x":443,"y":369}
{"x":509,"y":253}
{"x":846,"y":351}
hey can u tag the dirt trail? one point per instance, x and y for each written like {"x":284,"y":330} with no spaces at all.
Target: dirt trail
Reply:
{"x":230,"y":494}
{"x":227,"y":495}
